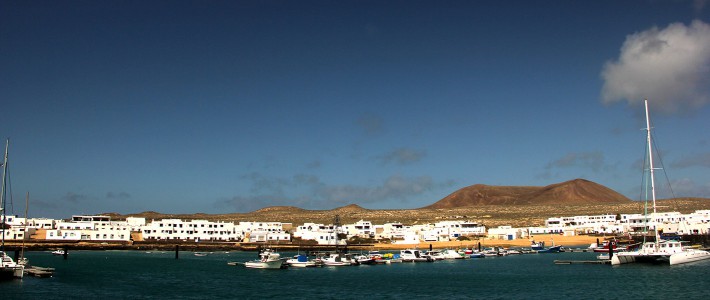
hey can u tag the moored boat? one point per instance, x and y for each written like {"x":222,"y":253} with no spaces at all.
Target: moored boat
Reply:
{"x":302,"y":261}
{"x":338,"y":260}
{"x":539,"y":247}
{"x":414,"y":255}
{"x":670,"y":252}
{"x":452,"y":254}
{"x":268,"y":259}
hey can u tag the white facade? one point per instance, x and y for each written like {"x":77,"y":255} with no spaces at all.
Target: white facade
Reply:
{"x":363,"y":229}
{"x":192,"y":230}
{"x":89,"y":228}
{"x":505,"y":233}
{"x":391,"y":231}
{"x":323,"y":234}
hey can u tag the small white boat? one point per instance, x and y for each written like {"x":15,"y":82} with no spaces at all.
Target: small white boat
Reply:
{"x":365,"y":260}
{"x":268,"y":259}
{"x":491,"y":252}
{"x":452,"y":254}
{"x":58,"y":252}
{"x":339,"y":260}
{"x":9,"y":269}
{"x":414,"y":255}
{"x":201,"y":254}
{"x":435,"y":255}
{"x":302,"y":261}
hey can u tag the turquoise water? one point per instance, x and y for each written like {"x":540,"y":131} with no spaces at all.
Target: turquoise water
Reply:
{"x":158,"y":275}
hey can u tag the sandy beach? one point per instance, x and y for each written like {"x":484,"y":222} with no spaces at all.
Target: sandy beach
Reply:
{"x":582,"y":241}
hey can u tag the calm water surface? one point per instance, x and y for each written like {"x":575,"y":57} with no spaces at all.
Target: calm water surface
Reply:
{"x":158,"y":275}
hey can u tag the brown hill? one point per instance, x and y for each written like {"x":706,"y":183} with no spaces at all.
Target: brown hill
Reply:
{"x":573,"y":192}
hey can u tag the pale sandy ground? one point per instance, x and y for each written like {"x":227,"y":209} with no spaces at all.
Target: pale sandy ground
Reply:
{"x":579,"y":241}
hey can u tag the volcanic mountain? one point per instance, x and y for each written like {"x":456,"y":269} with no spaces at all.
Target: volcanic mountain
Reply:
{"x":573,"y":192}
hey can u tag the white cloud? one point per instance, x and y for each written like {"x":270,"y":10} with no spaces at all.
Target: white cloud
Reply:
{"x":670,"y":67}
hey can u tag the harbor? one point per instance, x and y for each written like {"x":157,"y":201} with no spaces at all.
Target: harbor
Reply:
{"x":157,"y":275}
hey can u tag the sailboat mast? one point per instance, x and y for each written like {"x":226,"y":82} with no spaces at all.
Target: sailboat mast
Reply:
{"x":2,"y":193}
{"x":650,"y":166}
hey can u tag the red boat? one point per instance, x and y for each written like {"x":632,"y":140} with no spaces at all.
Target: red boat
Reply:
{"x":614,"y":244}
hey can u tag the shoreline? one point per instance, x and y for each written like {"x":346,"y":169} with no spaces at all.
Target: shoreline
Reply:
{"x":566,"y":241}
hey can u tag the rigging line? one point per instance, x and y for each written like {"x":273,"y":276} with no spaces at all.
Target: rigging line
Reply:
{"x":643,"y":191}
{"x":674,"y":202}
{"x":9,"y":183}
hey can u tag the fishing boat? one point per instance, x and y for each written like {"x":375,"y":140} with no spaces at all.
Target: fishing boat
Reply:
{"x":670,"y":252}
{"x":615,"y":245}
{"x":414,"y":255}
{"x":539,"y":247}
{"x":338,"y":260}
{"x":435,"y":254}
{"x":302,"y":261}
{"x":9,"y":269}
{"x":363,"y":259}
{"x":452,"y":254}
{"x":268,"y":259}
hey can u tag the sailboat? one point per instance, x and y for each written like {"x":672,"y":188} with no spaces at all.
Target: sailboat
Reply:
{"x":9,"y":269}
{"x":671,"y":252}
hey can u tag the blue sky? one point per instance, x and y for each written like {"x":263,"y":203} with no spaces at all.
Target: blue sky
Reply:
{"x":231,"y":106}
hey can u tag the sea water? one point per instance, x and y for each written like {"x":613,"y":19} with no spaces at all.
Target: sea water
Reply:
{"x":158,"y":275}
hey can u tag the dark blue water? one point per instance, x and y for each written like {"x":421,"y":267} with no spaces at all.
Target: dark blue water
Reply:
{"x":158,"y":275}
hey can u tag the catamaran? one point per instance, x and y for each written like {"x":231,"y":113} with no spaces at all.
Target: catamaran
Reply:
{"x":658,"y":251}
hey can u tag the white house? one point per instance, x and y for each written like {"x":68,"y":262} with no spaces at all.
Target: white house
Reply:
{"x":192,"y":230}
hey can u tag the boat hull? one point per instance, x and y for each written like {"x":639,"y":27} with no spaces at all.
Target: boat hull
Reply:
{"x":688,"y":257}
{"x":277,"y":264}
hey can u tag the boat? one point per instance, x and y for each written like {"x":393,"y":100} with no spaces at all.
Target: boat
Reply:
{"x":302,"y":261}
{"x":435,"y":254}
{"x":58,"y":252}
{"x":615,"y":245}
{"x":365,"y":260}
{"x":268,"y":259}
{"x":539,"y":247}
{"x":414,"y":255}
{"x":452,"y":254}
{"x":603,"y":256}
{"x":9,"y":269}
{"x":671,"y":252}
{"x":338,"y":260}
{"x":201,"y":254}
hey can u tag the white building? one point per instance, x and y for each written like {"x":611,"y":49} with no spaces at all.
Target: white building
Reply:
{"x":323,"y":234}
{"x":192,"y":230}
{"x":363,"y":229}
{"x":89,"y":228}
{"x":505,"y":233}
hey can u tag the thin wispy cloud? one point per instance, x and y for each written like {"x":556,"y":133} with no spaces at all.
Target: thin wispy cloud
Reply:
{"x":74,"y":197}
{"x":686,"y":187}
{"x":669,"y":66}
{"x":118,"y":196}
{"x":401,"y":156}
{"x":588,"y":160}
{"x":371,"y":124}
{"x":694,"y":160}
{"x":699,"y":5}
{"x":308,"y":191}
